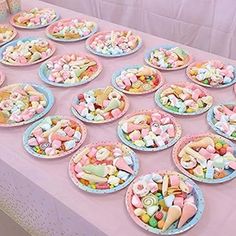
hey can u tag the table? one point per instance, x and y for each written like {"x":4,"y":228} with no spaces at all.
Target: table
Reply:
{"x":39,"y":195}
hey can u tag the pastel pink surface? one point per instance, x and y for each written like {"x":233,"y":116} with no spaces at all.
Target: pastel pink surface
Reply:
{"x":44,"y":188}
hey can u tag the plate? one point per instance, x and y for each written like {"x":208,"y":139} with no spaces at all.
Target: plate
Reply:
{"x":226,"y":74}
{"x":17,"y":91}
{"x":100,"y":105}
{"x":134,"y":130}
{"x":54,"y":137}
{"x":137,"y":80}
{"x":77,"y":31}
{"x":179,"y":59}
{"x":186,"y":104}
{"x":115,"y":35}
{"x":212,"y":171}
{"x":222,"y":119}
{"x":144,"y":197}
{"x":2,"y":78}
{"x":34,"y":18}
{"x":37,"y":53}
{"x":67,"y":68}
{"x":7,"y":33}
{"x":103,"y":167}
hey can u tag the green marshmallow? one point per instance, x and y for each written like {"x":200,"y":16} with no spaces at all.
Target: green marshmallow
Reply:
{"x":153,"y":222}
{"x":234,"y":134}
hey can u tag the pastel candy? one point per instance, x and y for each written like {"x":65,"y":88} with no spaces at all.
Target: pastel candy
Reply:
{"x":69,"y":144}
{"x":136,"y":202}
{"x":116,"y":112}
{"x":56,"y":144}
{"x":32,"y":142}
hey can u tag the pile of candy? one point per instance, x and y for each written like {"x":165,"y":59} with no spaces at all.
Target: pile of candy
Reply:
{"x":71,"y":29}
{"x":211,"y":73}
{"x":6,"y":34}
{"x":138,"y":80}
{"x":207,"y":157}
{"x":72,"y":69}
{"x":101,"y":105}
{"x":224,"y":119}
{"x":35,"y":17}
{"x":162,"y":199}
{"x":104,"y":166}
{"x":184,"y":98}
{"x":150,"y":129}
{"x":55,"y":136}
{"x":168,"y":58}
{"x":19,"y":103}
{"x":115,"y":42}
{"x":27,"y":52}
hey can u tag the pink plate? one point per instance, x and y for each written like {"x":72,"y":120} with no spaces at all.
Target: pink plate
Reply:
{"x":235,"y":88}
{"x":88,"y":156}
{"x":208,"y":85}
{"x":28,"y":135}
{"x":13,"y":35}
{"x":49,"y":31}
{"x":229,"y":173}
{"x":13,"y":43}
{"x":2,"y":78}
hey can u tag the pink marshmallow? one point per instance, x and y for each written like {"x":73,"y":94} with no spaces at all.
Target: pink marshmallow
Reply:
{"x":39,"y":109}
{"x":174,"y":180}
{"x":92,"y":152}
{"x":205,"y":153}
{"x":144,"y":132}
{"x":116,"y":112}
{"x":69,"y":131}
{"x":232,"y":165}
{"x":179,"y":201}
{"x":40,"y":139}
{"x":37,"y":132}
{"x":156,"y":117}
{"x":165,"y":120}
{"x":210,"y":149}
{"x":135,"y":135}
{"x":56,"y":144}
{"x":34,"y":98}
{"x":32,"y":142}
{"x":171,"y":131}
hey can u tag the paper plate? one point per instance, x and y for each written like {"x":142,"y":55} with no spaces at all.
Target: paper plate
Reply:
{"x":14,"y":33}
{"x":147,"y":56}
{"x":235,"y":88}
{"x":13,"y":43}
{"x":28,"y":135}
{"x":118,"y":73}
{"x":44,"y":71}
{"x":77,"y":114}
{"x":182,"y":84}
{"x":212,"y":121}
{"x":2,"y":78}
{"x":65,"y":21}
{"x":124,"y":139}
{"x":91,"y":39}
{"x":97,"y":189}
{"x":207,"y":85}
{"x":186,"y":140}
{"x":14,"y":23}
{"x":195,"y":194}
{"x":45,"y":91}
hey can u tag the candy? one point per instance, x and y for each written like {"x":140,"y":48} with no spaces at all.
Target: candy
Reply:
{"x":153,"y":222}
{"x":145,"y":218}
{"x":136,"y":202}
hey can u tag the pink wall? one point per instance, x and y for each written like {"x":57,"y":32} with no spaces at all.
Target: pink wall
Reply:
{"x":206,"y":24}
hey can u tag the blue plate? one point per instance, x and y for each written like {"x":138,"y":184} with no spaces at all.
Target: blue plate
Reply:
{"x":158,"y":102}
{"x":211,"y":121}
{"x":13,"y":43}
{"x":105,"y":191}
{"x":44,"y":74}
{"x":50,"y":101}
{"x":109,"y":55}
{"x":172,"y":230}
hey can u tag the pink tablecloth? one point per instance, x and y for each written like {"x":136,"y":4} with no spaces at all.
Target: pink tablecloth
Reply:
{"x":39,"y":195}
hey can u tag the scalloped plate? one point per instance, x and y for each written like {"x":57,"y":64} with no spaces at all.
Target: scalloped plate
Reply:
{"x":44,"y":72}
{"x":104,"y":191}
{"x":12,"y":21}
{"x":13,"y":43}
{"x":29,"y":130}
{"x":211,"y":121}
{"x":158,"y":102}
{"x":2,"y":78}
{"x":13,"y":35}
{"x":148,"y":53}
{"x":177,"y":126}
{"x":49,"y":31}
{"x":118,"y":72}
{"x":207,"y":85}
{"x":50,"y":101}
{"x":76,"y":114}
{"x":185,"y":140}
{"x":90,"y":40}
{"x":199,"y":199}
